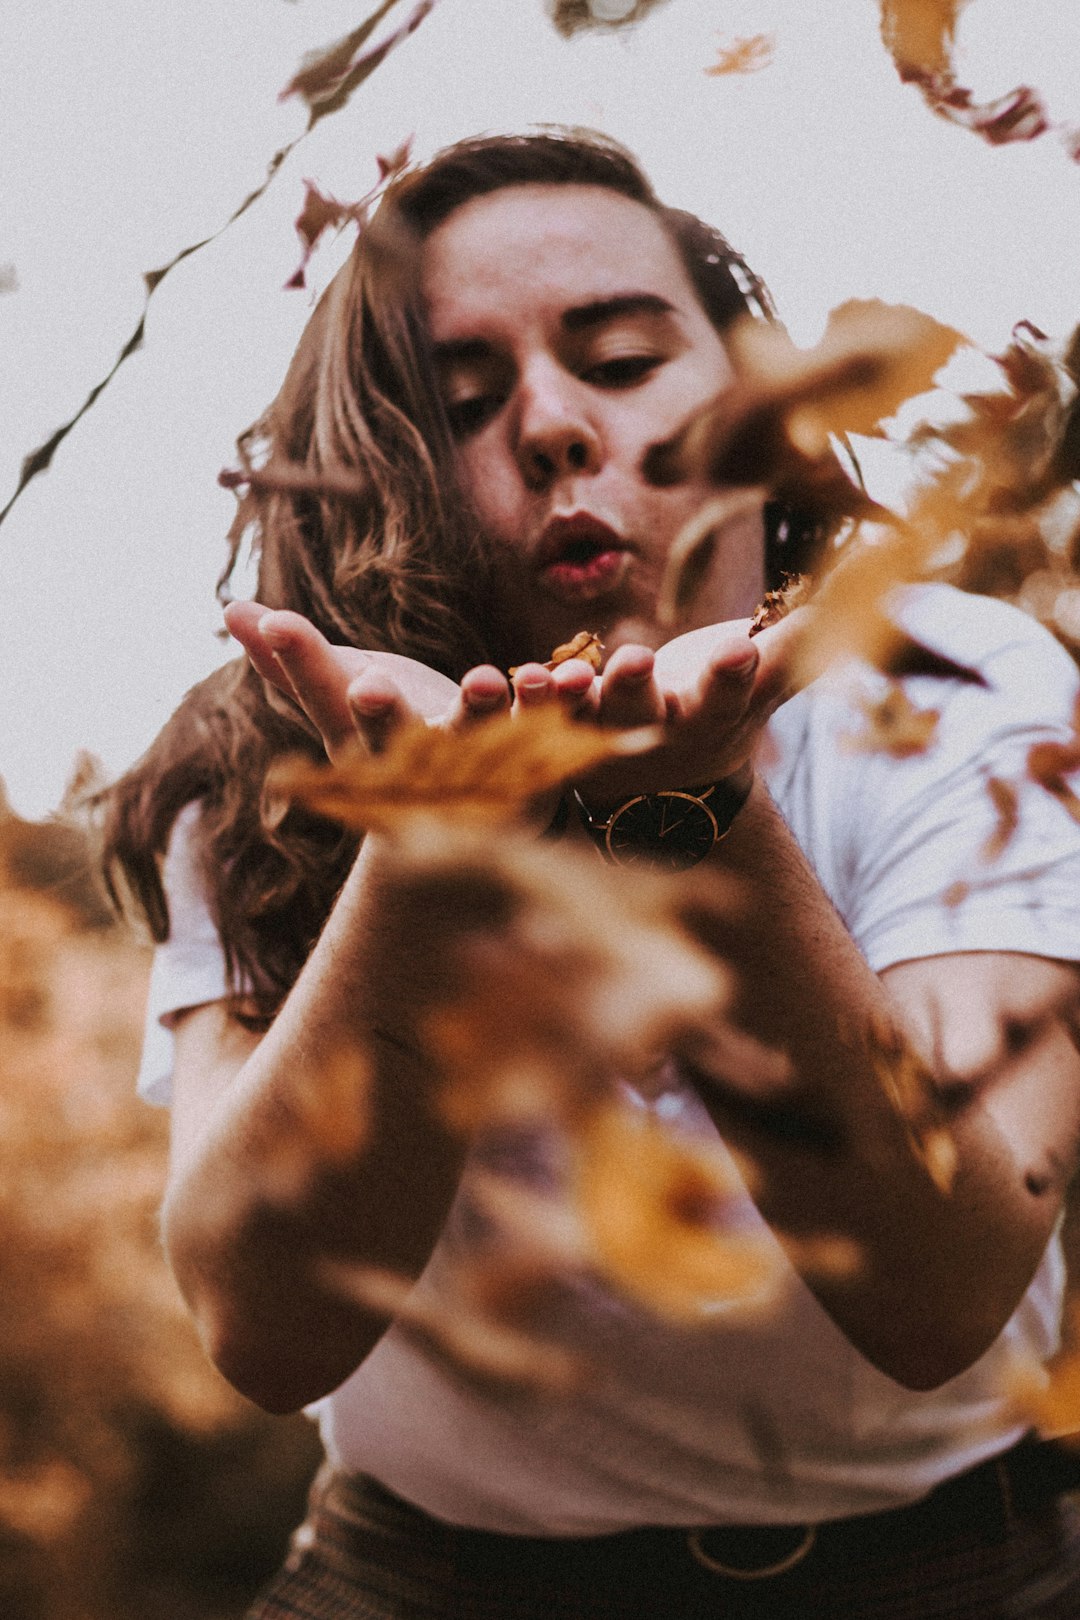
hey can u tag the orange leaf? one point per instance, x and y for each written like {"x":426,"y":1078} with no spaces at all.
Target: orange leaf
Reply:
{"x":747,"y":55}
{"x":894,"y":726}
{"x":488,"y":772}
{"x":651,"y":1204}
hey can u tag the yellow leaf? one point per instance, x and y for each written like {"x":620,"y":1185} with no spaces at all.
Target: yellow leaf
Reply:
{"x":487,"y":772}
{"x":650,"y":1204}
{"x":747,"y":55}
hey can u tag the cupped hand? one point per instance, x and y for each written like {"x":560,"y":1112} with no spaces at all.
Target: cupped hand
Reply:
{"x":712,"y":690}
{"x":349,"y":693}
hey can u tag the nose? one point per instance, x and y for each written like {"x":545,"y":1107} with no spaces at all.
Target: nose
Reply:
{"x":556,"y":434}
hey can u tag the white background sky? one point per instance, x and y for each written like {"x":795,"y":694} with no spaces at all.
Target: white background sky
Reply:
{"x":129,"y":128}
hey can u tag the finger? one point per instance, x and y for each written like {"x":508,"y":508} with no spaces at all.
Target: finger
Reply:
{"x":318,"y":681}
{"x":533,"y":685}
{"x":725,"y":689}
{"x":485,"y":692}
{"x":629,"y":692}
{"x":242,"y":622}
{"x":782,"y":668}
{"x":377,"y":708}
{"x":576,"y":686}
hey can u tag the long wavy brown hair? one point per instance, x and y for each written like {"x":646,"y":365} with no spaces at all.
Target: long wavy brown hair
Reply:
{"x":369,"y":535}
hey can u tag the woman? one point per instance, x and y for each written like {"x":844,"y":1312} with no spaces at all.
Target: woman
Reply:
{"x":519,"y":328}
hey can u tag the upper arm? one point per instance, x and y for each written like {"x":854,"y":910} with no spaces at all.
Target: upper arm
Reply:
{"x":211,"y":1046}
{"x":998,"y":1029}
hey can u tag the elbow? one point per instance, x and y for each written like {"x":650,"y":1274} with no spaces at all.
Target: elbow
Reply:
{"x":932,"y":1354}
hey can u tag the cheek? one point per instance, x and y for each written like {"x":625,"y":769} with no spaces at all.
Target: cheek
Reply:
{"x":489,"y":484}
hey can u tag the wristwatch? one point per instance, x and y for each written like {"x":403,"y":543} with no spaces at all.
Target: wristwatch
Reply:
{"x":674,"y":830}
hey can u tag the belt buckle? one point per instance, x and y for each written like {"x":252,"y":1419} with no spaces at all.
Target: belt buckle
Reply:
{"x":763,"y":1572}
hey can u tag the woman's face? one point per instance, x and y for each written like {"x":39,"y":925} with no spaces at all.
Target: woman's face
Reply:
{"x":569,"y":341}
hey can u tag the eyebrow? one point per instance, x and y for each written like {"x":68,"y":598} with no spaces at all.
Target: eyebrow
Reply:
{"x":601,"y":310}
{"x":580,"y":318}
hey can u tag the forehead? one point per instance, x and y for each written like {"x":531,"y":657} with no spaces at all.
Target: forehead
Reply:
{"x":543,"y":248}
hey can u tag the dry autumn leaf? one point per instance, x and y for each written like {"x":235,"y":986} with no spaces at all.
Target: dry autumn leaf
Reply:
{"x":479,"y":1344}
{"x":920,"y":35}
{"x":571,"y":16}
{"x":488,"y":773}
{"x":1006,"y":801}
{"x":566,"y":976}
{"x":893,"y":725}
{"x":794,"y":591}
{"x":585,"y":645}
{"x":691,"y":558}
{"x":747,"y":55}
{"x":651,"y":1205}
{"x":774,"y":424}
{"x":1052,"y":763}
{"x":909,"y":1085}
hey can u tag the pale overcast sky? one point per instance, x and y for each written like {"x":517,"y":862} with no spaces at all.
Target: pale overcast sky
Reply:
{"x":130,"y":128}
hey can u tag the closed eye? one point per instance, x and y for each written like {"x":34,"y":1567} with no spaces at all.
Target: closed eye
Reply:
{"x":469,"y":415}
{"x":622,"y":371}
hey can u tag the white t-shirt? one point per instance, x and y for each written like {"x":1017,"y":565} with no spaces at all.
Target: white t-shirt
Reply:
{"x":752,"y":1417}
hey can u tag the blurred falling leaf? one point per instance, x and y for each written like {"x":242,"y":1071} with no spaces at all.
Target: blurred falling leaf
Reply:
{"x":894,"y":726}
{"x":39,"y":459}
{"x":909,"y":1085}
{"x":293,"y":477}
{"x":9,"y":279}
{"x":693,"y":553}
{"x":1049,"y":1396}
{"x":559,"y":974}
{"x":571,"y":16}
{"x":1006,"y":802}
{"x":489,"y":772}
{"x":748,"y":55}
{"x":319,"y":213}
{"x":652,"y":1206}
{"x":920,"y":35}
{"x":328,"y":78}
{"x":479,"y":1344}
{"x":1052,"y":763}
{"x":773,"y":425}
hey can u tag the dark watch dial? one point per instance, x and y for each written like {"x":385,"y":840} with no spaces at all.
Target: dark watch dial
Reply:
{"x":670,"y":830}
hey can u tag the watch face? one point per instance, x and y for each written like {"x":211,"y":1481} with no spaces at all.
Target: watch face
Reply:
{"x":669,"y":830}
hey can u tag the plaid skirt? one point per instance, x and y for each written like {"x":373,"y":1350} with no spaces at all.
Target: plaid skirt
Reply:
{"x":1001,"y":1542}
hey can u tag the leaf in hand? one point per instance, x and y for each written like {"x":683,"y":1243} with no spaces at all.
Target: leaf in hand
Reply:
{"x":585,"y":645}
{"x":747,"y":55}
{"x":489,"y":772}
{"x":794,"y":591}
{"x":894,"y":726}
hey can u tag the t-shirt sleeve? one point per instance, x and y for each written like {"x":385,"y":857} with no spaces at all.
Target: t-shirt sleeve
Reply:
{"x":931,"y":862}
{"x":188,"y":969}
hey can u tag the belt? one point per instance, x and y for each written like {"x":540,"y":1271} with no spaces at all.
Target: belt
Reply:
{"x":991,"y":1495}
{"x":988,"y":1500}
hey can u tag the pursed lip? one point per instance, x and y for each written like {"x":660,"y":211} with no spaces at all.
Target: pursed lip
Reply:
{"x":576,"y":535}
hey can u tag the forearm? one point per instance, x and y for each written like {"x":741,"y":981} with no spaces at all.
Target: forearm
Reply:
{"x":260,"y":1206}
{"x":939,"y":1270}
